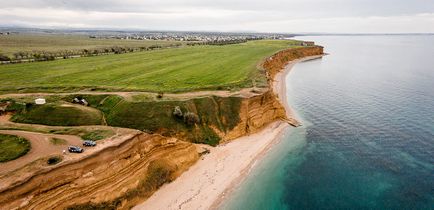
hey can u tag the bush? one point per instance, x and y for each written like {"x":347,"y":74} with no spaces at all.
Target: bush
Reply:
{"x":57,"y":141}
{"x":54,"y":160}
{"x":191,"y":118}
{"x":177,"y":112}
{"x":4,"y":58}
{"x":97,"y":135}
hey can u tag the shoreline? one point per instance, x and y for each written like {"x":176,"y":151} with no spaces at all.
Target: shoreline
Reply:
{"x":279,"y":85}
{"x":206,"y":184}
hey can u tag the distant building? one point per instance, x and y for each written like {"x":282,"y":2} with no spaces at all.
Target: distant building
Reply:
{"x":307,"y":43}
{"x":40,"y":101}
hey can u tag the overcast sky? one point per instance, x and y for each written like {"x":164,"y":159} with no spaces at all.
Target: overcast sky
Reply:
{"x":333,"y":16}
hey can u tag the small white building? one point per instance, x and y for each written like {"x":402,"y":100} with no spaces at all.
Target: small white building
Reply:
{"x":40,"y":101}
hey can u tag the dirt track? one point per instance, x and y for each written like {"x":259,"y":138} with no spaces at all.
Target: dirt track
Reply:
{"x":41,"y":147}
{"x":246,"y":92}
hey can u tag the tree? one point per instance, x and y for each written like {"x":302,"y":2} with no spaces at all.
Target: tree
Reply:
{"x":191,"y":118}
{"x":4,"y":58}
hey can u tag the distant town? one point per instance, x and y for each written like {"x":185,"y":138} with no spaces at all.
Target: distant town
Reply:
{"x":151,"y":35}
{"x":190,"y":36}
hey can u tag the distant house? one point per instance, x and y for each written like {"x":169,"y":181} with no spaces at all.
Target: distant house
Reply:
{"x":307,"y":43}
{"x":40,"y":101}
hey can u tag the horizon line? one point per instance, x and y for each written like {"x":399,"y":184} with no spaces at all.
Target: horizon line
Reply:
{"x":72,"y":29}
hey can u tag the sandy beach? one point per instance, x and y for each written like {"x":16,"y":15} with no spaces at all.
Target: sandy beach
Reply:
{"x":279,"y":85}
{"x":205,"y":185}
{"x":205,"y":182}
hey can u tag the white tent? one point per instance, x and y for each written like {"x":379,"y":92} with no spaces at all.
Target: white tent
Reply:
{"x":40,"y":101}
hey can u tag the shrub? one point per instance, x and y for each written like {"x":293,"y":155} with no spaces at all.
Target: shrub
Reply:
{"x":97,"y":135}
{"x":57,"y":141}
{"x":191,"y":118}
{"x":54,"y":160}
{"x":4,"y":58}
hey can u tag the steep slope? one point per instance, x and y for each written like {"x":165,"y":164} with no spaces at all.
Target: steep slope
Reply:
{"x":128,"y":171}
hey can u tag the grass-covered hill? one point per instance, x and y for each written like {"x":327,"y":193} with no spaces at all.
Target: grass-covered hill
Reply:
{"x":59,"y":114}
{"x":168,"y":70}
{"x":150,"y":115}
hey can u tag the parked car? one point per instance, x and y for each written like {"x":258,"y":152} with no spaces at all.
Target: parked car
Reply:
{"x":89,"y":143}
{"x":75,"y":149}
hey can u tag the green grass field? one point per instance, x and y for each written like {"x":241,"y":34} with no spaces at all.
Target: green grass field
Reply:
{"x":168,"y":70}
{"x":12,"y":147}
{"x":54,"y":114}
{"x":52,"y":43}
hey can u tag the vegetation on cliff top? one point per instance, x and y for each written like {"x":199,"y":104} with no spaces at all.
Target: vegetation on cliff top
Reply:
{"x":210,"y":115}
{"x":54,"y":114}
{"x":12,"y":147}
{"x":169,"y":70}
{"x":157,"y":116}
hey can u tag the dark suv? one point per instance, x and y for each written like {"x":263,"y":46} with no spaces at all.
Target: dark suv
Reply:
{"x":75,"y":149}
{"x":89,"y":143}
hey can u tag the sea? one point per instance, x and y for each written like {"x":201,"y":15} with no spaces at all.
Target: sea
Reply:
{"x":367,"y":140}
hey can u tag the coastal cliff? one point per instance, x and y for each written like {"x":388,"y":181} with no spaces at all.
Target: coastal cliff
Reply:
{"x":220,"y":118}
{"x":255,"y":113}
{"x":260,"y":110}
{"x":130,"y":171}
{"x":278,"y":61}
{"x":122,"y":175}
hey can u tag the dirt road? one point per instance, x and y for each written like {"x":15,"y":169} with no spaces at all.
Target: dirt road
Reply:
{"x":246,"y":92}
{"x":41,"y":147}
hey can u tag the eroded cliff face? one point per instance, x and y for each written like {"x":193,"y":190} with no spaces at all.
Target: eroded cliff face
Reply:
{"x":129,"y":172}
{"x":255,"y":113}
{"x":278,"y":61}
{"x":259,"y":111}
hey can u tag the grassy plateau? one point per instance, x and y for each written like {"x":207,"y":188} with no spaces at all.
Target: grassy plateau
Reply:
{"x":53,"y":43}
{"x":168,"y":70}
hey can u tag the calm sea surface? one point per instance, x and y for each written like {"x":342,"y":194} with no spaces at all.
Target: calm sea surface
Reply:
{"x":368,"y":135}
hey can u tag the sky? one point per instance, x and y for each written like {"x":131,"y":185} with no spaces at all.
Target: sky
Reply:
{"x":286,"y":16}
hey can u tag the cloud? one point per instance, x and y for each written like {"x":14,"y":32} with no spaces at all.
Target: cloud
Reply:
{"x":225,"y":15}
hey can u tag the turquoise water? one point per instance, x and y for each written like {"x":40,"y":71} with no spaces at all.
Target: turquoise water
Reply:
{"x":368,"y":135}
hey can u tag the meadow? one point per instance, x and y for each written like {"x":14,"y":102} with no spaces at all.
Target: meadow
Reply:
{"x":53,"y":43}
{"x":166,"y":70}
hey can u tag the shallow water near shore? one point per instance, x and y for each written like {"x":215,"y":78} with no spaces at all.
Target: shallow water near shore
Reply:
{"x":367,"y":140}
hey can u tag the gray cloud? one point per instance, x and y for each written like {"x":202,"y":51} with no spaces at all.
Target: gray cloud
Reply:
{"x":271,"y":15}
